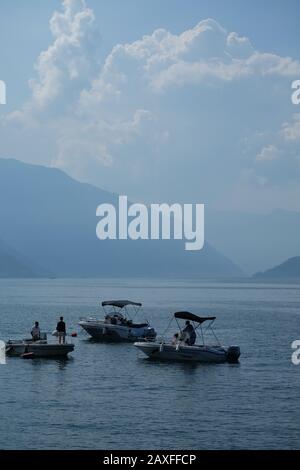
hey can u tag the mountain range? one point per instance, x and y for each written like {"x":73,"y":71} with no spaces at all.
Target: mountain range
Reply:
{"x":48,"y":228}
{"x":12,"y":263}
{"x":288,"y":270}
{"x":49,"y":220}
{"x":254,"y":241}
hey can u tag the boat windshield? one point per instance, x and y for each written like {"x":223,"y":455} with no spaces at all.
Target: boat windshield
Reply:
{"x":129,"y":309}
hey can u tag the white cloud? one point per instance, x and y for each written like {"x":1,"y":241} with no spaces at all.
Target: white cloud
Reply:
{"x":268,"y":153}
{"x":85,"y":140}
{"x":67,"y":65}
{"x":276,"y":164}
{"x":291,"y":131}
{"x":199,"y":54}
{"x":162,"y":116}
{"x":239,"y":46}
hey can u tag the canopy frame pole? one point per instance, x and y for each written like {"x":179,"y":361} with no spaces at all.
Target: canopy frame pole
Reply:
{"x":210,"y":327}
{"x":169,"y":324}
{"x":202,"y":335}
{"x":177,"y":325}
{"x":215,"y":336}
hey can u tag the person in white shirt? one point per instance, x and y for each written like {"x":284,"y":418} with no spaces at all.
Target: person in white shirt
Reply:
{"x":175,"y":339}
{"x":36,"y":332}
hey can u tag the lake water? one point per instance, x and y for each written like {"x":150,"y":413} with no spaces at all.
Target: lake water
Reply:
{"x":107,"y":396}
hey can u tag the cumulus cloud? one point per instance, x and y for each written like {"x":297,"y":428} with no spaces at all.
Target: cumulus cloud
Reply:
{"x":291,"y":130}
{"x":86,"y":141}
{"x":202,"y":53}
{"x":239,"y":46}
{"x":276,"y":164}
{"x":163,"y":116}
{"x":268,"y":153}
{"x":67,"y":65}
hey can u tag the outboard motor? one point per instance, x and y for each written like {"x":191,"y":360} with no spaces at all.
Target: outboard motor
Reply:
{"x":150,"y":333}
{"x":233,"y":354}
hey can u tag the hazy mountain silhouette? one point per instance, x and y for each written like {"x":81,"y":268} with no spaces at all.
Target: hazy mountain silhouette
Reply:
{"x":51,"y":219}
{"x":254,"y":241}
{"x":289,"y":269}
{"x":12,"y":264}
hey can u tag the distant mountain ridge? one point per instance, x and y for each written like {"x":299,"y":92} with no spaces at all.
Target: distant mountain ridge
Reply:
{"x":289,"y":269}
{"x":12,"y":265}
{"x":51,"y":219}
{"x":254,"y":241}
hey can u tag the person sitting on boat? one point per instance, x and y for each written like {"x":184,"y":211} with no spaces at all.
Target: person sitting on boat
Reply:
{"x":36,"y":332}
{"x":190,"y":332}
{"x":61,"y":330}
{"x":119,"y":319}
{"x":175,"y":339}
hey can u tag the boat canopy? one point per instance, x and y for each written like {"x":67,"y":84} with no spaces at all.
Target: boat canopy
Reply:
{"x":192,"y":317}
{"x":120,"y":303}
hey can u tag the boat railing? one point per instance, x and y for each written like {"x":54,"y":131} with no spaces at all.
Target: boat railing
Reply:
{"x":88,"y":319}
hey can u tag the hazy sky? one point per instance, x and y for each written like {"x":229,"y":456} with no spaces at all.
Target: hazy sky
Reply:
{"x":160,"y":100}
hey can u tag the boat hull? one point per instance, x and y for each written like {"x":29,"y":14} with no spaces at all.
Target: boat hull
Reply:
{"x":201,"y":354}
{"x":102,"y":331}
{"x":39,"y":350}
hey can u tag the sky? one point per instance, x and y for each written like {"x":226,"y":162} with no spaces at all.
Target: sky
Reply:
{"x":170,"y":100}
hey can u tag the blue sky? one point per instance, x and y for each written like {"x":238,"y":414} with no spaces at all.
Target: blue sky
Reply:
{"x":196,"y":112}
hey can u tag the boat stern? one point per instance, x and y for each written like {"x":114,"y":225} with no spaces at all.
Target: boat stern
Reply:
{"x":149,"y":333}
{"x":233,"y":353}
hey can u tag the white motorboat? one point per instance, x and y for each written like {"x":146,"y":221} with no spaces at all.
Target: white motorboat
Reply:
{"x":119,"y":324}
{"x":30,"y":349}
{"x":181,"y":350}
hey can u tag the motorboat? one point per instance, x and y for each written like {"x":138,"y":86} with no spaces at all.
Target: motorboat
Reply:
{"x":182,"y":349}
{"x":30,"y":349}
{"x":119,"y":323}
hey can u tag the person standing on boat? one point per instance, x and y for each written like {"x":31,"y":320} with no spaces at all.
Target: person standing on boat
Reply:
{"x":189,"y":330}
{"x":36,"y":332}
{"x":61,"y":330}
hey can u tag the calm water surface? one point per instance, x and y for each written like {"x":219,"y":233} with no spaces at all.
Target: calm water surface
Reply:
{"x":107,"y":396}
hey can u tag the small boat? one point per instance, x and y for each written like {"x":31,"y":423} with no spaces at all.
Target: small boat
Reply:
{"x":118,"y":324}
{"x":181,"y":351}
{"x":29,"y":349}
